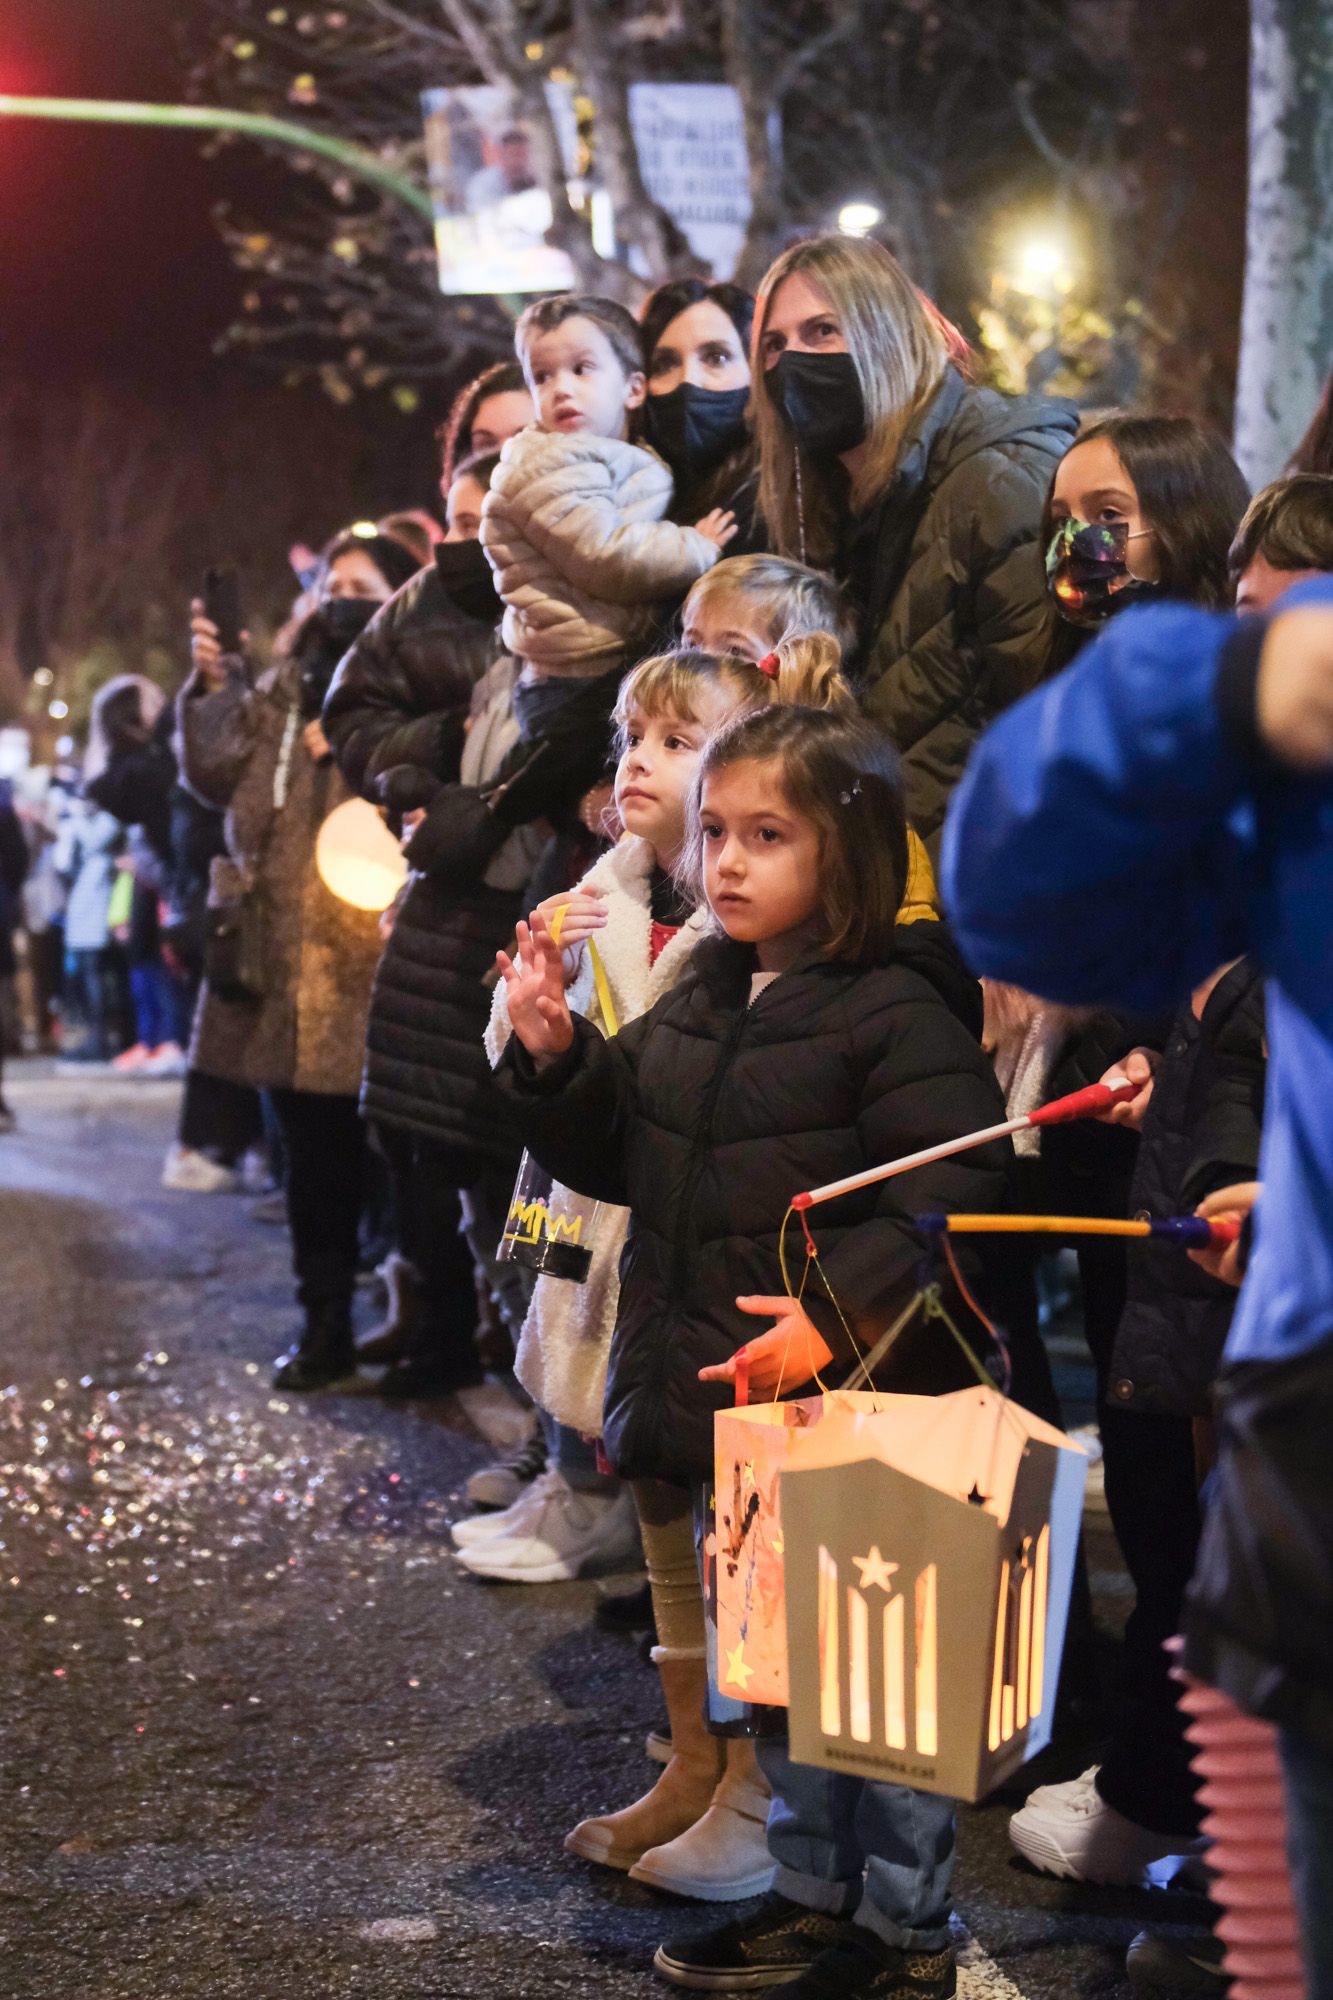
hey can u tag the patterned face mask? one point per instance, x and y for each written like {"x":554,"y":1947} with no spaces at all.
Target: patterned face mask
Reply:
{"x":1087,"y":571}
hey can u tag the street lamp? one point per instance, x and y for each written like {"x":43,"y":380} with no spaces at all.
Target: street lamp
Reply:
{"x":1043,"y":263}
{"x":858,"y":218}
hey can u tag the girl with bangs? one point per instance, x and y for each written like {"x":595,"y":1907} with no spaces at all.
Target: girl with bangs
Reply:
{"x":813,"y":1035}
{"x":880,"y":459}
{"x":700,"y":1830}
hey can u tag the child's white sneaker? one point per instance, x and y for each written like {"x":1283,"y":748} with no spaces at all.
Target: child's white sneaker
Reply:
{"x":186,"y":1171}
{"x":561,"y":1532}
{"x":1070,"y":1831}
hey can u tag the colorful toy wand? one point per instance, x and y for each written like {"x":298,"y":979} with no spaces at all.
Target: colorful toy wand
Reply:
{"x":1191,"y":1232}
{"x":1089,"y":1103}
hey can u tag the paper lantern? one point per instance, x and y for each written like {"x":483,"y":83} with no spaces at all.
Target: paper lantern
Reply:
{"x":751,"y":1448}
{"x":358,"y":859}
{"x":928,"y":1555}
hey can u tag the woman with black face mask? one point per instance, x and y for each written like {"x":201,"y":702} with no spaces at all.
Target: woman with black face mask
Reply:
{"x":286,"y":1011}
{"x":696,"y":343}
{"x":880,"y":460}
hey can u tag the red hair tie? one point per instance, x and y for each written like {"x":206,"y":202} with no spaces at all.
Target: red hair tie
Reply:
{"x":770,"y":665}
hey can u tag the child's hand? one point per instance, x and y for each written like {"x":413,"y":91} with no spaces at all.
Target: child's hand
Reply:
{"x":1139,"y":1066}
{"x":535,"y":988}
{"x":788,"y":1355}
{"x":1222,"y":1260}
{"x":585,"y":913}
{"x":718,"y":527}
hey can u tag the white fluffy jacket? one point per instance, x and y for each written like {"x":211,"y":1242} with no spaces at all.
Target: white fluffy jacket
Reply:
{"x":566,"y":1336}
{"x":573,"y":529}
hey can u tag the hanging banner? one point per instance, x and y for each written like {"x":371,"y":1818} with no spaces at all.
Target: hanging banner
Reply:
{"x":691,"y":145}
{"x":491,"y":217}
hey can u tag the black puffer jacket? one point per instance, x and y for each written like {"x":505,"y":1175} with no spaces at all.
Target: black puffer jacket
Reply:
{"x":402,"y":694}
{"x":945,"y":576}
{"x":401,"y":697}
{"x":1201,"y":1133}
{"x":707,"y":1114}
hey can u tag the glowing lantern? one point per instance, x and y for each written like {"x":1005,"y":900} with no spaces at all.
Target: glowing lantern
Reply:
{"x":929,"y":1553}
{"x":358,"y":858}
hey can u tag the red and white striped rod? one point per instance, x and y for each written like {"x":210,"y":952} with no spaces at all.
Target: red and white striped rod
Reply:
{"x":1089,"y":1103}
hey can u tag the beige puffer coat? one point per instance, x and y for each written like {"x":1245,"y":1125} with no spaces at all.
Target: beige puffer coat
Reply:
{"x":573,"y":529}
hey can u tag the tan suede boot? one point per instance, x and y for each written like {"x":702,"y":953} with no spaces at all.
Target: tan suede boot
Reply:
{"x":685,"y":1788}
{"x":724,"y":1856}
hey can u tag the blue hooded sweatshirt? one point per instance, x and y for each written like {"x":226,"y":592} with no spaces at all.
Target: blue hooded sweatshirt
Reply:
{"x":1120,"y":833}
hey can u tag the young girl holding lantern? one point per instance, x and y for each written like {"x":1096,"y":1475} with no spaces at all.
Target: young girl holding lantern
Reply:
{"x":813,"y":1036}
{"x":700,"y":1830}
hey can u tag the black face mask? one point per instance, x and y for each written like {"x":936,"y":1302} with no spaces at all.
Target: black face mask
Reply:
{"x":820,"y":396}
{"x":695,"y":428}
{"x":326,"y":635}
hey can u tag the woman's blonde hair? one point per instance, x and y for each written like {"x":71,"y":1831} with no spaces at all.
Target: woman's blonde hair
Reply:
{"x":782,"y":599}
{"x":800,"y":672}
{"x":900,"y":356}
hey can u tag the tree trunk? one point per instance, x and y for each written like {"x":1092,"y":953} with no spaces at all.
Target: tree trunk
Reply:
{"x":1287,"y":322}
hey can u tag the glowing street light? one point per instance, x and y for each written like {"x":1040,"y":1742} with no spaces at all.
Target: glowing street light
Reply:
{"x":58,"y":710}
{"x":1044,"y":264}
{"x":858,"y":218}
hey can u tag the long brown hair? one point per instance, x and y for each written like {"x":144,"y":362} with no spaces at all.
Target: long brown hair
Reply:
{"x":900,"y":356}
{"x":842,"y":774}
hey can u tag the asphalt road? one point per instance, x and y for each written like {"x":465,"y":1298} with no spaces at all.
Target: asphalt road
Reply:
{"x":260,"y":1739}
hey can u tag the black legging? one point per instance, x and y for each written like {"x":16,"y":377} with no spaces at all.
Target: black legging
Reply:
{"x":326,"y":1170}
{"x":426,"y":1179}
{"x":219,"y":1117}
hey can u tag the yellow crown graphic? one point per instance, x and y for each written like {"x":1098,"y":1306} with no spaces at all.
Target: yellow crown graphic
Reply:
{"x":531,"y":1220}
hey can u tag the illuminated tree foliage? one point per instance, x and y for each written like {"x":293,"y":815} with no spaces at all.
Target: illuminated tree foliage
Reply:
{"x":942,"y":113}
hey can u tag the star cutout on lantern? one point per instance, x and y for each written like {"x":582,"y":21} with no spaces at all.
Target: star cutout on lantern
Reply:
{"x":779,"y":1543}
{"x":876,"y":1574}
{"x":976,"y":1498}
{"x":747,"y":1473}
{"x":739,"y":1672}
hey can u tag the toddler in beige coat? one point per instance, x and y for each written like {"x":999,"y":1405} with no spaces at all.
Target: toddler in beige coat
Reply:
{"x":574,"y":525}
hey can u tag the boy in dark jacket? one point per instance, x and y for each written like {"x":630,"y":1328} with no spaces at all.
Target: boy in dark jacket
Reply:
{"x":1165,"y":804}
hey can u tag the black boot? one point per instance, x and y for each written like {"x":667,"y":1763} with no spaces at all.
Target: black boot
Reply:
{"x":324,"y":1354}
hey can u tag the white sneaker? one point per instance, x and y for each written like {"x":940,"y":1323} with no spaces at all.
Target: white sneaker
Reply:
{"x":189,"y":1172}
{"x":167,"y":1059}
{"x":500,"y":1484}
{"x":1070,"y":1831}
{"x":563,"y":1533}
{"x":486,"y":1527}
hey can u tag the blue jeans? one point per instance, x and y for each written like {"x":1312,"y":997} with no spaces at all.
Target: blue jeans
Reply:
{"x":159,"y":1005}
{"x":1308,"y":1770}
{"x":880,"y":1853}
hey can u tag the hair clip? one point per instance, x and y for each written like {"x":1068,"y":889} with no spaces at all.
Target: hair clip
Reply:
{"x":845,"y":798}
{"x":770,"y":665}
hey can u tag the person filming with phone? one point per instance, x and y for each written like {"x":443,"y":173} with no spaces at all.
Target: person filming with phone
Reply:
{"x":288,"y":966}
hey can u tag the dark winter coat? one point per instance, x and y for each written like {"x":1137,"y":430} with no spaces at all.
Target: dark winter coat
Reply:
{"x":401,"y":698}
{"x":944,"y":573}
{"x":309,"y":1029}
{"x":707,"y":1114}
{"x":1201,"y":1133}
{"x":13,"y":874}
{"x":136,"y":784}
{"x":403,"y":693}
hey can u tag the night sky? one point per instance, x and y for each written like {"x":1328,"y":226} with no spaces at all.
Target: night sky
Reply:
{"x":108,"y":259}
